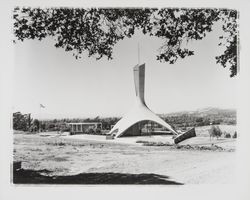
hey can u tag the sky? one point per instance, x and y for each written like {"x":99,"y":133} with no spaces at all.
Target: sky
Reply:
{"x":70,"y":88}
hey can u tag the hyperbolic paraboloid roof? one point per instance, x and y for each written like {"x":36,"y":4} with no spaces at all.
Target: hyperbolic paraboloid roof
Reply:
{"x":140,"y":111}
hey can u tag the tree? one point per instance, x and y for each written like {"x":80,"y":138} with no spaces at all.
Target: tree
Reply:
{"x":43,"y":126}
{"x":235,"y":134}
{"x":21,"y":121}
{"x":36,"y":124}
{"x":229,"y":57}
{"x":199,"y":119}
{"x":96,"y":31}
{"x":51,"y":126}
{"x":215,"y":131}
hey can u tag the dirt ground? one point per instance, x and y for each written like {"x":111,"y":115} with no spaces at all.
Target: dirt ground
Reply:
{"x":58,"y":156}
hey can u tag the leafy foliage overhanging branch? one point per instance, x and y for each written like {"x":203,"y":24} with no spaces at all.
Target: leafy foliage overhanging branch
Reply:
{"x":96,"y":31}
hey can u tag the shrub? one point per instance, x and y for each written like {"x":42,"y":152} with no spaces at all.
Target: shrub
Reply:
{"x":227,"y":135}
{"x":90,"y":131}
{"x":98,"y":131}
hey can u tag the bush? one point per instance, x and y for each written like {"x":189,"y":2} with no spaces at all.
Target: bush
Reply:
{"x":65,"y":129}
{"x":90,"y":131}
{"x":235,"y":134}
{"x":215,"y":132}
{"x":98,"y":131}
{"x":227,"y":135}
{"x":51,"y":126}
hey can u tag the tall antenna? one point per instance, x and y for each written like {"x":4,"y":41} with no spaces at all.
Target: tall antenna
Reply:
{"x":138,"y":53}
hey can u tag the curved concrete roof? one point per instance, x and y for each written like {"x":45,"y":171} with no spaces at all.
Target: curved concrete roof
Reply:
{"x":140,"y":111}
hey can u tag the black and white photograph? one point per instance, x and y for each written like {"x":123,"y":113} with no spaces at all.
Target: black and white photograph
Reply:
{"x":125,"y":96}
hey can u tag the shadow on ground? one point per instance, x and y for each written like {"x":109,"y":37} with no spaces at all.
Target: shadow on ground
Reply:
{"x":23,"y":176}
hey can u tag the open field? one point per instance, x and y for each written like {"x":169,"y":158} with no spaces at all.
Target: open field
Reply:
{"x":96,"y":161}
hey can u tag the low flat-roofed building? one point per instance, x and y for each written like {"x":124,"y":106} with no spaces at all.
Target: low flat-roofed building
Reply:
{"x":84,"y":127}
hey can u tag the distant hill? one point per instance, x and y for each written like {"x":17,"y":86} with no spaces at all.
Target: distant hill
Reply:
{"x":209,"y":111}
{"x":200,"y":117}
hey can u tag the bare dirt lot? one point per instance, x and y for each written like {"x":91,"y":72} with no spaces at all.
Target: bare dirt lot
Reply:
{"x":100,"y":162}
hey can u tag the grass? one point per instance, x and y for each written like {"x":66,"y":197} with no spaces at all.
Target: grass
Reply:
{"x":64,"y":143}
{"x":203,"y":130}
{"x":92,"y":161}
